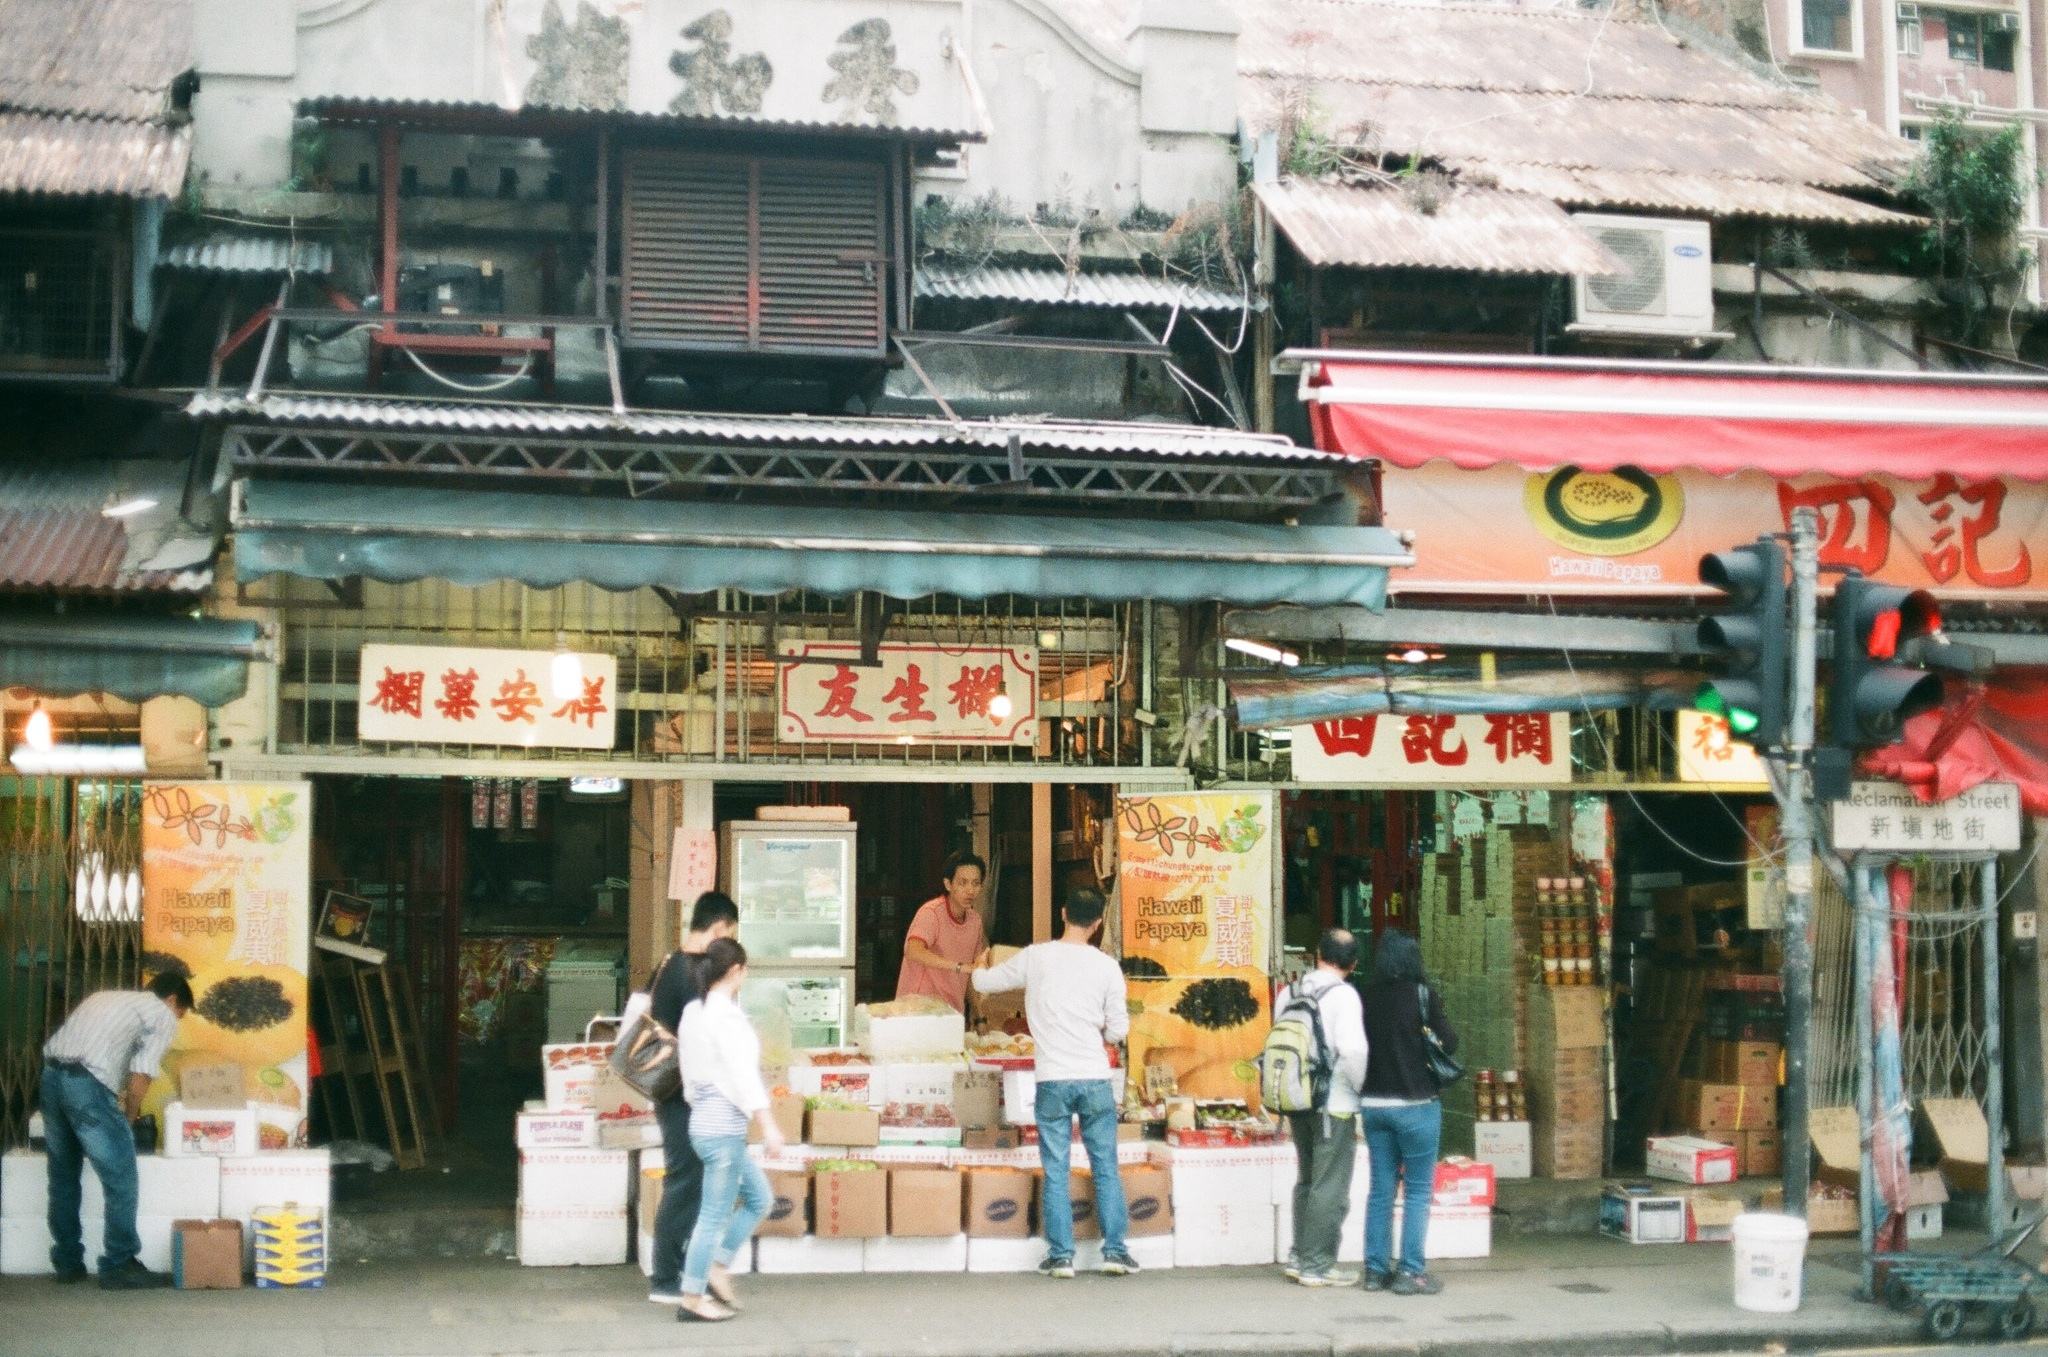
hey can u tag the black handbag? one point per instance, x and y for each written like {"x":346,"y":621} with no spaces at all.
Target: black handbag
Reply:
{"x":644,"y":1056}
{"x":1443,"y":1066}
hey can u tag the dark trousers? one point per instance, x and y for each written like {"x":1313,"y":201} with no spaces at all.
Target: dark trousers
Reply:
{"x":682,"y":1188}
{"x":1325,"y":1151}
{"x":82,"y":1120}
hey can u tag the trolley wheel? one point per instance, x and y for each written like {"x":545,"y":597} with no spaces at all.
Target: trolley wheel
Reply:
{"x":1944,"y":1320}
{"x":2016,"y":1320}
{"x":1899,"y":1294}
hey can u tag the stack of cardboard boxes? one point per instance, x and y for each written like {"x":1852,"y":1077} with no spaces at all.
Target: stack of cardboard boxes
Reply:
{"x":1566,"y":1074}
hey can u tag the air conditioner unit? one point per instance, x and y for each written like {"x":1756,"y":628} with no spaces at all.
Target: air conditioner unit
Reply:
{"x":1667,"y":283}
{"x":2008,"y":23}
{"x":1909,"y":13}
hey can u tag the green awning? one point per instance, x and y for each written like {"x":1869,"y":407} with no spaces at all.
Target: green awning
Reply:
{"x":133,"y":658}
{"x":394,"y":534}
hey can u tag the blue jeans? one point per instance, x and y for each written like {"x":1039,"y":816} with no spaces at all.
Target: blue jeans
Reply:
{"x":83,"y":1120}
{"x":736,"y":1198}
{"x":1059,"y":1102}
{"x":1403,"y":1144}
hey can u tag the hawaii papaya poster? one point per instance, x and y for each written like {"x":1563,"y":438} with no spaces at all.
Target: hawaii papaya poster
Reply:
{"x":226,"y":901}
{"x":1195,"y":882}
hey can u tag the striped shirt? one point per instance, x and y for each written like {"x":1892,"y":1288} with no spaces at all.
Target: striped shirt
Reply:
{"x":114,"y":1034}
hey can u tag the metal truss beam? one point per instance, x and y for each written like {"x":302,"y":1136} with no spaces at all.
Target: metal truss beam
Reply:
{"x":645,"y":468}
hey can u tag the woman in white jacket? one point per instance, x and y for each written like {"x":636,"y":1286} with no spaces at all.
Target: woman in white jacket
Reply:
{"x":721,"y":1059}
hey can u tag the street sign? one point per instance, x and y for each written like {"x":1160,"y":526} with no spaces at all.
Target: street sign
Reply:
{"x":1884,"y":817}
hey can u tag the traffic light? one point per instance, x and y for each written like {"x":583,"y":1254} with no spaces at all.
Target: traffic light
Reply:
{"x":1885,"y":640}
{"x":1747,"y":645}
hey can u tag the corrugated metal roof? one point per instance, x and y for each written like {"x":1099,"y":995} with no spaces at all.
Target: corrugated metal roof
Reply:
{"x":1476,"y":229}
{"x":1161,"y":440}
{"x":79,"y":156}
{"x":1584,"y":91}
{"x":374,"y":108}
{"x":1054,"y":286}
{"x":53,"y":535}
{"x":114,"y":59}
{"x":257,"y":252}
{"x":1692,"y":194}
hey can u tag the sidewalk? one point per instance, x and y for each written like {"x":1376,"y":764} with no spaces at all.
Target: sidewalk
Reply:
{"x":1535,"y":1296}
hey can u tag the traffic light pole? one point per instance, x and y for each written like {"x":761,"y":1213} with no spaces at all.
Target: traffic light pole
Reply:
{"x":1797,"y":807}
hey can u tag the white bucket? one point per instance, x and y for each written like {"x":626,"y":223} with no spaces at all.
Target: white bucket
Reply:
{"x":1770,"y":1254}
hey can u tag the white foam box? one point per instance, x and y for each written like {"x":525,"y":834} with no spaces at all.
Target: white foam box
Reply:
{"x":1206,"y":1178}
{"x":919,"y":1081}
{"x":1350,"y":1236}
{"x":1224,"y":1236}
{"x":575,"y":1179}
{"x":644,"y":1250}
{"x":558,"y":1236}
{"x":1154,"y":1253}
{"x":1007,"y":1255}
{"x":1689,"y":1159}
{"x":1924,"y":1222}
{"x":180,"y":1188}
{"x":25,"y":1244}
{"x":808,"y":1254}
{"x":1454,"y":1232}
{"x":24,"y":1247}
{"x":860,"y":1083}
{"x":909,"y":1037}
{"x":24,"y":1185}
{"x":570,"y":1129}
{"x":947,"y":1253}
{"x":1507,"y":1145}
{"x":208,"y":1130}
{"x":569,"y":1072}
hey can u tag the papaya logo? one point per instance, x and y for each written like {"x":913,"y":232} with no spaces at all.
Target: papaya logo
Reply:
{"x":1144,"y":1208}
{"x":1604,"y":513}
{"x":1001,"y":1210}
{"x":784,"y":1208}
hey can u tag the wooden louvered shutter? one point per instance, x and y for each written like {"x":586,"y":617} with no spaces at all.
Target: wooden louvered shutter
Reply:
{"x":688,"y":251}
{"x":760,"y":255}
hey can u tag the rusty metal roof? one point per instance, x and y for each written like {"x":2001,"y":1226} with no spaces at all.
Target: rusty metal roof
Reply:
{"x":1582,"y":92}
{"x":1440,"y":224}
{"x":90,"y":95}
{"x":1057,"y":287}
{"x":258,"y":252}
{"x":484,"y":115}
{"x":990,"y":435}
{"x":53,"y":535}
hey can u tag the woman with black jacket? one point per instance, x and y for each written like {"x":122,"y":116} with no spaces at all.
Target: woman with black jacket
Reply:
{"x":1403,"y":1118}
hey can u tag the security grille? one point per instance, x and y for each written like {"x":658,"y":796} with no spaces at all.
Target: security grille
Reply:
{"x":56,"y":302}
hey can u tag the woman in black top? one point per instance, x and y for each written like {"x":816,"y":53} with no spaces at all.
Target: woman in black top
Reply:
{"x":1403,"y":1118}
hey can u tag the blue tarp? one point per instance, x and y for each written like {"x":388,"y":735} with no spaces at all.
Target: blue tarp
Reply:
{"x":134,"y":658}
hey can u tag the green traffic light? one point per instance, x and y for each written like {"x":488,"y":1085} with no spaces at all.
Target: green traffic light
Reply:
{"x":1741,"y":720}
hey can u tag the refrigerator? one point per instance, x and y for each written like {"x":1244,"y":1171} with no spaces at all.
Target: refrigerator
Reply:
{"x":794,"y":884}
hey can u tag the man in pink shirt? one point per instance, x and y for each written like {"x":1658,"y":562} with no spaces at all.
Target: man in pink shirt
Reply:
{"x":946,"y":936}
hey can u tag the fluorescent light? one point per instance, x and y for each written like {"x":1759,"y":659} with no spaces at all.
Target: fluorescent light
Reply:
{"x":1414,"y":655}
{"x":128,"y":508}
{"x":63,"y":760}
{"x":596,"y":786}
{"x":565,"y":671}
{"x":38,"y":732}
{"x":1261,"y":651}
{"x":999,"y":707}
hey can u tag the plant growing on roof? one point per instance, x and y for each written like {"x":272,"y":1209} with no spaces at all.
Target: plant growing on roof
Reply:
{"x":1974,"y":189}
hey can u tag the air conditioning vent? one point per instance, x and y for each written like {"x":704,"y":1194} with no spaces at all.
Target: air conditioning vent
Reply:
{"x":2008,"y":23}
{"x":1666,"y":286}
{"x":1909,"y":13}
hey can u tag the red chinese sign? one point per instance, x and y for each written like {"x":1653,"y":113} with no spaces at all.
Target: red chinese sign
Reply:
{"x":455,"y":695}
{"x":917,"y":694}
{"x":1493,"y":750}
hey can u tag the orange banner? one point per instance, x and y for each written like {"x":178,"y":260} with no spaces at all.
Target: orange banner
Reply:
{"x":1506,"y":530}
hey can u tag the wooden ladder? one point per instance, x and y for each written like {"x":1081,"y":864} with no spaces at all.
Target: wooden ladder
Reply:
{"x":384,"y":998}
{"x":341,"y":1059}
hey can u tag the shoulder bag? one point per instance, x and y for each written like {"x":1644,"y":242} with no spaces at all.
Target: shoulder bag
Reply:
{"x":644,"y":1056}
{"x":1443,"y":1066}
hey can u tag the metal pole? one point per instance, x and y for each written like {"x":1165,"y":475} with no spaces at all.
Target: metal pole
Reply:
{"x":1864,"y":883}
{"x":1798,"y":833}
{"x":1994,"y":1056}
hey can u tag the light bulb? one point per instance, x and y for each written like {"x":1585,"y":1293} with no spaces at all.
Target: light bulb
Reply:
{"x":38,"y":732}
{"x":565,"y":672}
{"x":999,"y":706}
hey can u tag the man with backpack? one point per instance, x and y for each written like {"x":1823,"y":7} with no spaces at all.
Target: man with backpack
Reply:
{"x":1312,"y":1069}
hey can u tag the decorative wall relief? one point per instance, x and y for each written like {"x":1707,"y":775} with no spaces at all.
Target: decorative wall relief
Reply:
{"x":868,"y":77}
{"x":714,"y":80}
{"x":579,"y":65}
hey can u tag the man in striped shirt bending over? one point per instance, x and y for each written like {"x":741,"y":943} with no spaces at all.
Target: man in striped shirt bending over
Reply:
{"x":96,"y":1071}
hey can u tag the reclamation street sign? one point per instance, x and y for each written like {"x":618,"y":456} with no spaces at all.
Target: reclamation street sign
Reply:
{"x":1884,"y":817}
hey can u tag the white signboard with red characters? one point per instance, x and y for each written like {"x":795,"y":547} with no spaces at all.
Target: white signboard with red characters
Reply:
{"x":1494,"y":750}
{"x":460,"y":695}
{"x":1708,"y":752}
{"x":919,"y":694}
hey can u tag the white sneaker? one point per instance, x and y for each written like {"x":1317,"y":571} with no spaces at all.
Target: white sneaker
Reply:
{"x":1290,"y":1269}
{"x":666,"y":1297}
{"x":1333,"y":1277}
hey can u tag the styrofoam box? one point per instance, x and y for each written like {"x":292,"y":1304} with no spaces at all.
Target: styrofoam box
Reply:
{"x":855,"y":1083}
{"x":570,"y":1237}
{"x":570,"y":1129}
{"x":810,"y":1254}
{"x":178,"y":1188}
{"x":1454,"y":1232}
{"x":25,"y":1244}
{"x":1006,"y":1255}
{"x":1223,"y":1236}
{"x":1506,"y":1145}
{"x":1689,"y":1159}
{"x":24,"y":1185}
{"x":1220,"y":1178}
{"x":928,"y":1081}
{"x":1924,"y":1222}
{"x":241,"y":1122}
{"x":644,"y":1249}
{"x":910,"y":1036}
{"x":1154,"y":1253}
{"x":1350,"y":1236}
{"x":944,"y":1254}
{"x":575,"y":1179}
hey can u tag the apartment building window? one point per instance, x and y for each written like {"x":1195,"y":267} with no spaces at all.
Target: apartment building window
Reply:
{"x":1985,"y":40}
{"x":1910,"y":35}
{"x":1827,"y":26}
{"x":1965,"y":39}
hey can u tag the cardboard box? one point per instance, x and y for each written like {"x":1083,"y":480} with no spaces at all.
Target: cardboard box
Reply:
{"x":1829,"y":1211}
{"x":569,"y":1072}
{"x":1574,"y":1101}
{"x":1742,"y":1062}
{"x":1003,"y":1012}
{"x":647,"y":1196}
{"x":571,"y":1236}
{"x":1463,"y":1182}
{"x":1567,"y":1017}
{"x":854,"y":1128}
{"x":1837,"y":1140}
{"x":1574,"y":1151}
{"x":924,"y":1203}
{"x":574,"y":1180}
{"x":1690,"y":1159}
{"x":991,"y":1138}
{"x":1710,"y":1218}
{"x":1148,"y":1200}
{"x":1964,"y":1139}
{"x":1505,"y":1145}
{"x":571,"y":1129}
{"x":1760,"y":1154}
{"x":212,"y":1084}
{"x":896,"y":1253}
{"x":1643,"y":1218}
{"x":1714,"y":1109}
{"x":808,"y":1254}
{"x":1081,"y":1201}
{"x":850,"y":1204}
{"x":206,"y":1255}
{"x":999,"y":1203}
{"x":786,"y":1110}
{"x":208,"y":1130}
{"x":2029,"y":1182}
{"x":978,"y":1098}
{"x":789,"y":1214}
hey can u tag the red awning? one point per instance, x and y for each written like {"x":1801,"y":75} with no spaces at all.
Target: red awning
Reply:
{"x":1408,"y":409}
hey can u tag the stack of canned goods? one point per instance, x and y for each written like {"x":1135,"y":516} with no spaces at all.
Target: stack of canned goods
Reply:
{"x":1567,"y":911}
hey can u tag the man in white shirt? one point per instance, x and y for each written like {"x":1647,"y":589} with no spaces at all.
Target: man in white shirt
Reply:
{"x":1074,"y":1001}
{"x":1326,"y":1141}
{"x":96,"y":1071}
